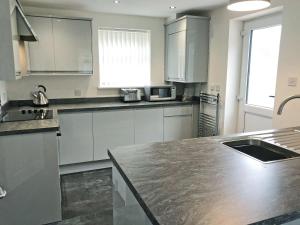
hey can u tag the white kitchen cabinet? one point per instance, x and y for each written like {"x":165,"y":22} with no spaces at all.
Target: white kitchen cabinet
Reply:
{"x":112,"y":129}
{"x":64,"y":46}
{"x":41,"y":52}
{"x":148,"y":125}
{"x":187,"y":45}
{"x":30,"y":176}
{"x":178,"y":123}
{"x":73,"y":45}
{"x":176,"y":56}
{"x":76,"y":141}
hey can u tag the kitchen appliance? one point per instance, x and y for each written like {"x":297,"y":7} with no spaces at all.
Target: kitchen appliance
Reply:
{"x":160,"y":93}
{"x":131,"y":94}
{"x":27,"y":114}
{"x":40,"y":97}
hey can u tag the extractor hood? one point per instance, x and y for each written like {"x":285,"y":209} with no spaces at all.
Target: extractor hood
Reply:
{"x":25,"y":30}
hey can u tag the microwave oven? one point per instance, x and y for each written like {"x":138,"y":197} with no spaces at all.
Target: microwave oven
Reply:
{"x":160,"y":93}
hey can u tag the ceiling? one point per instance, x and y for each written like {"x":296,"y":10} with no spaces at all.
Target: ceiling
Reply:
{"x":156,"y":8}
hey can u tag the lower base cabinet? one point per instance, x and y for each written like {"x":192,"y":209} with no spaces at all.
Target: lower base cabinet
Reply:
{"x":112,"y":129}
{"x":178,"y":123}
{"x":148,"y":125}
{"x":76,"y":141}
{"x":86,"y":136}
{"x":29,"y":174}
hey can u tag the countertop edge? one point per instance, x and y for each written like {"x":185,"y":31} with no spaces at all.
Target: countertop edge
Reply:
{"x":135,"y":193}
{"x":28,"y":131}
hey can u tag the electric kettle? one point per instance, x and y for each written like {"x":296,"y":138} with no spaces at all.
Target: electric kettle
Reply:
{"x":39,"y":96}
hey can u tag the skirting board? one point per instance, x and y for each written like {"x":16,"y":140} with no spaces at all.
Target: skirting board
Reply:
{"x":82,"y":167}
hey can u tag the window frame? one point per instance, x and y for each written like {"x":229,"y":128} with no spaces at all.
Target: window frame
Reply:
{"x":150,"y":54}
{"x":255,"y":24}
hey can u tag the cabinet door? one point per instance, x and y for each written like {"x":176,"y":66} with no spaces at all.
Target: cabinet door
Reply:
{"x":178,"y":127}
{"x":176,"y":52}
{"x":72,"y":45}
{"x":148,"y":125}
{"x":76,"y":142}
{"x":41,"y":53}
{"x":29,"y":175}
{"x":112,"y":129}
{"x":178,"y":123}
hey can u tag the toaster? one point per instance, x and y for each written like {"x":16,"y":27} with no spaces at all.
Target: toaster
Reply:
{"x":131,"y":94}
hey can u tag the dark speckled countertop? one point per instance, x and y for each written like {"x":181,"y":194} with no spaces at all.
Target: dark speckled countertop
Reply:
{"x":53,"y":124}
{"x":202,"y":182}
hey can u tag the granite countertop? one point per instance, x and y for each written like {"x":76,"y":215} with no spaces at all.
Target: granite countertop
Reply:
{"x":115,"y":105}
{"x":20,"y":127}
{"x":31,"y":126}
{"x":200,"y":181}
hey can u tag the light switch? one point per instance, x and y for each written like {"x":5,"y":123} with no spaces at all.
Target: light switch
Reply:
{"x":292,"y":81}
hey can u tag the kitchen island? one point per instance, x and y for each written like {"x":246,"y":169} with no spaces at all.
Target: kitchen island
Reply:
{"x":201,"y":181}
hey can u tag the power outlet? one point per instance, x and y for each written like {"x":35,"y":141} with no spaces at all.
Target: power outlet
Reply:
{"x":77,"y":92}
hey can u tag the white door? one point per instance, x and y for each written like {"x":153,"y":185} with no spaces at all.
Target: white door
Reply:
{"x":259,"y":73}
{"x":76,"y":142}
{"x":41,"y":52}
{"x":176,"y":56}
{"x":73,"y":45}
{"x":112,"y":129}
{"x":178,"y":123}
{"x":148,"y":125}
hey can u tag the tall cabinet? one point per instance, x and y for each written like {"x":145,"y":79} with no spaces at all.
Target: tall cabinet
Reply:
{"x":187,"y":46}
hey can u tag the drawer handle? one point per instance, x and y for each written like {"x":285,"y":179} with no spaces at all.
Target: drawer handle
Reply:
{"x":2,"y":193}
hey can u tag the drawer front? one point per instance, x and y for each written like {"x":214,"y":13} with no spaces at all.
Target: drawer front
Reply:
{"x":178,"y":111}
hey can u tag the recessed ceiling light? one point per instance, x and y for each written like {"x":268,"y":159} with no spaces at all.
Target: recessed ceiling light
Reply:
{"x":172,"y":7}
{"x":116,"y":1}
{"x":248,"y":5}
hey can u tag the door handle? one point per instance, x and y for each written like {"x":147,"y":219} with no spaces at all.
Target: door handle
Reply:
{"x":2,"y":193}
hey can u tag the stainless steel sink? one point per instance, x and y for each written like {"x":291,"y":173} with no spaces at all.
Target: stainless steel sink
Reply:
{"x":261,"y":150}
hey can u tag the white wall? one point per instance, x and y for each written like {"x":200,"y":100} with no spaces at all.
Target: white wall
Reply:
{"x":64,"y":86}
{"x":289,"y":66}
{"x":221,"y":55}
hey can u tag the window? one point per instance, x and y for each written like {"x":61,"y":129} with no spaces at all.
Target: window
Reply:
{"x":263,"y":62}
{"x":124,"y":58}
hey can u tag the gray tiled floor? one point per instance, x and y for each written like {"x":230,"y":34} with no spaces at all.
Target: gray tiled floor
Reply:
{"x":87,"y":198}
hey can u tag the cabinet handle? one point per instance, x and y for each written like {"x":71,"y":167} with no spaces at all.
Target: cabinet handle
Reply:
{"x":2,"y":193}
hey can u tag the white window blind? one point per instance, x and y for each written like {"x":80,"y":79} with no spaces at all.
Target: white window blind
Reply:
{"x":124,"y":58}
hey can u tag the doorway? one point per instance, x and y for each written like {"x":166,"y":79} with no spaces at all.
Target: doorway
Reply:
{"x":261,"y":45}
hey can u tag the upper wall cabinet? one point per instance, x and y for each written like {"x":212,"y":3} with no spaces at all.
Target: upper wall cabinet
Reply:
{"x":187,"y":46}
{"x":64,"y":46}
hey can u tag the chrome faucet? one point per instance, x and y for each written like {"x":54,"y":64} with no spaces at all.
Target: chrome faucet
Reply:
{"x":286,"y":101}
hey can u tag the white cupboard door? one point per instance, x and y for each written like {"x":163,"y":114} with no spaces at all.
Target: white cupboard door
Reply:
{"x":178,"y":127}
{"x":41,"y":52}
{"x":73,"y":45}
{"x":148,"y":125}
{"x":112,"y":129}
{"x":76,"y":141}
{"x":29,"y":175}
{"x":176,"y":52}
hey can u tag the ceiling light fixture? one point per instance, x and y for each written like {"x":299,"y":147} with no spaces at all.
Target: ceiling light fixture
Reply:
{"x":172,"y":7}
{"x":248,"y":5}
{"x":116,"y":2}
